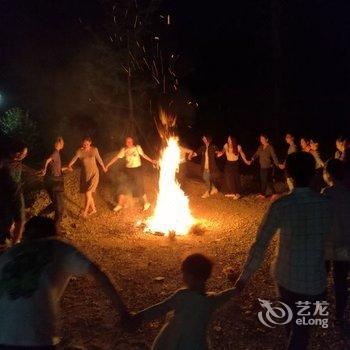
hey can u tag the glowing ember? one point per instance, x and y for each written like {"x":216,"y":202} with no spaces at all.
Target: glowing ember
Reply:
{"x":172,"y":213}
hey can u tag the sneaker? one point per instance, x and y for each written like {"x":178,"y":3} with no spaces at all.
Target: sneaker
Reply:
{"x":146,"y":206}
{"x":206,"y":194}
{"x":117,"y":208}
{"x":214,"y":190}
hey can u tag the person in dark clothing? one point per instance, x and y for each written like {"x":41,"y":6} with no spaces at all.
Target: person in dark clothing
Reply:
{"x":12,"y":209}
{"x":267,"y":157}
{"x":210,"y":171}
{"x":337,"y":252}
{"x":53,"y":180}
{"x":233,"y":151}
{"x":302,"y":221}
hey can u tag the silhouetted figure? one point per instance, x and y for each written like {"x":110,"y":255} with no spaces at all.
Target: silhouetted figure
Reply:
{"x":302,"y":219}
{"x":33,"y":276}
{"x":54,"y":184}
{"x":193,"y":307}
{"x":338,"y":239}
{"x":12,"y":209}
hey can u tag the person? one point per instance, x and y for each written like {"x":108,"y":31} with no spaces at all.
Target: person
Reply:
{"x":193,"y":307}
{"x":338,"y":239}
{"x":233,"y":151}
{"x":12,"y":208}
{"x":317,"y":183}
{"x":305,"y":144}
{"x":33,"y":278}
{"x":266,"y":156}
{"x":185,"y":154}
{"x":133,"y":170}
{"x":292,"y":148}
{"x":302,"y":219}
{"x":89,"y":175}
{"x":210,"y":171}
{"x":54,"y":184}
{"x":341,"y":144}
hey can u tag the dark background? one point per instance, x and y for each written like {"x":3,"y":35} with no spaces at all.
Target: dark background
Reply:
{"x":252,"y":66}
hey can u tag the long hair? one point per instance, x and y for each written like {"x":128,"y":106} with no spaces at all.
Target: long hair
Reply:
{"x":234,"y":143}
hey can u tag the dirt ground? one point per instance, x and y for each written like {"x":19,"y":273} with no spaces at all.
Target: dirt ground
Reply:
{"x":134,"y":259}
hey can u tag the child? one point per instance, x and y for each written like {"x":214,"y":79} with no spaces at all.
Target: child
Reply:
{"x":192,"y":306}
{"x":337,"y":250}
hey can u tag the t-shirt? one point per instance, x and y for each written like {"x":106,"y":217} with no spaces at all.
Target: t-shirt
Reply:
{"x":187,"y":329}
{"x":230,"y":155}
{"x":132,"y":156}
{"x":33,"y":277}
{"x":55,"y":164}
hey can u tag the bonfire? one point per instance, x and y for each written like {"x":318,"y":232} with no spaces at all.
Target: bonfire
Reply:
{"x":172,"y":213}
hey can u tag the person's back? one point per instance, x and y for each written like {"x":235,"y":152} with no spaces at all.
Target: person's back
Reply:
{"x":302,"y":218}
{"x":192,"y":307}
{"x":33,"y":278}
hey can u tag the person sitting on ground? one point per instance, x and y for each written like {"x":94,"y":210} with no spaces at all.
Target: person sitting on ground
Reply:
{"x":12,"y":208}
{"x":302,"y":219}
{"x":338,"y":240}
{"x":33,"y":277}
{"x":193,"y":307}
{"x":133,"y":170}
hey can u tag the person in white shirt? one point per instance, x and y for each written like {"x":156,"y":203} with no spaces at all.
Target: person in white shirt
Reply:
{"x":133,"y":170}
{"x":33,"y":276}
{"x":233,"y":151}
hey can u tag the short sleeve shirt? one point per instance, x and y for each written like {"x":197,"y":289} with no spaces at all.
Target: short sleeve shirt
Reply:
{"x":132,"y":156}
{"x":33,"y":277}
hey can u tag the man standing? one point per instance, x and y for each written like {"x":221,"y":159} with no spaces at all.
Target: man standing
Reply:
{"x":54,"y":183}
{"x":303,"y":220}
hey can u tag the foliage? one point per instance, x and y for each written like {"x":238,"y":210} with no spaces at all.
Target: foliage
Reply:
{"x":17,"y":123}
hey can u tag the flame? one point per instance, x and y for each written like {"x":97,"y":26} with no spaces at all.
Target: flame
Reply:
{"x":172,"y":212}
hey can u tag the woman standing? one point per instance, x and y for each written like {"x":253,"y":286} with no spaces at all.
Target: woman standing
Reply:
{"x":132,"y":154}
{"x":266,"y":155}
{"x":233,"y":150}
{"x":89,"y":176}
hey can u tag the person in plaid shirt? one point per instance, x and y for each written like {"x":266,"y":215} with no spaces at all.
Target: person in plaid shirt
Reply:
{"x":302,"y":219}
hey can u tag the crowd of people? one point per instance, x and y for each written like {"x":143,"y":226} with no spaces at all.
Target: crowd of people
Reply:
{"x":312,"y":220}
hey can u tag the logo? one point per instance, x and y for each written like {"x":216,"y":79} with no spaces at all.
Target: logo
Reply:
{"x":277,"y":314}
{"x":307,"y":313}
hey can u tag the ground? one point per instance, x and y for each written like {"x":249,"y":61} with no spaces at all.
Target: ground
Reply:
{"x":134,"y":260}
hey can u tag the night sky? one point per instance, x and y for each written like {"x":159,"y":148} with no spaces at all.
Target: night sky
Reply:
{"x":252,"y":66}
